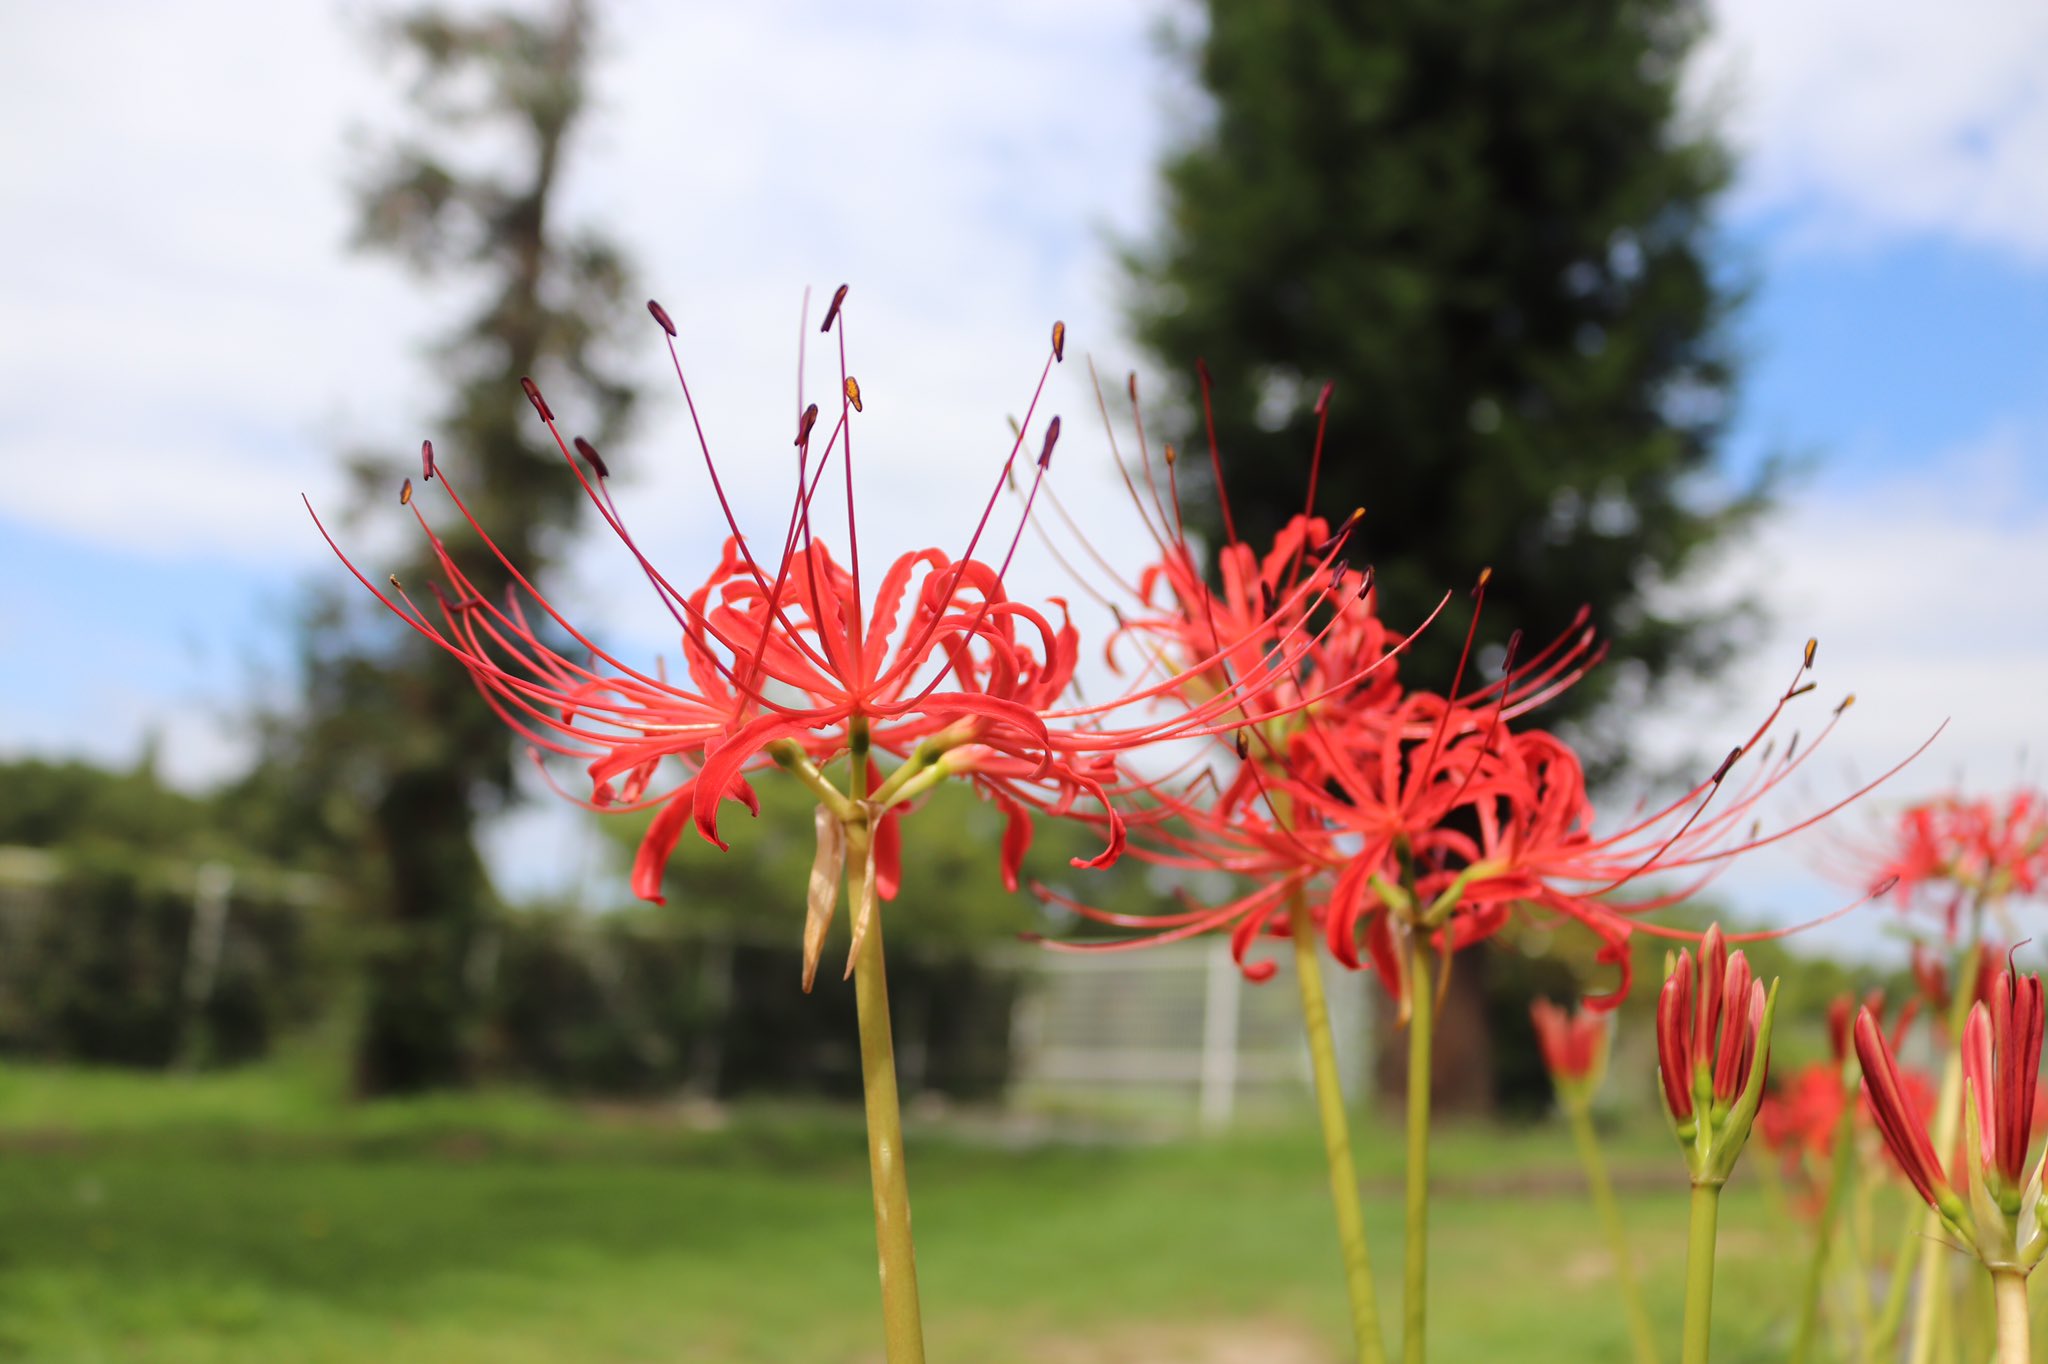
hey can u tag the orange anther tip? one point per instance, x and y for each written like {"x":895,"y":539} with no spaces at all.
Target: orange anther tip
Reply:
{"x":853,"y":392}
{"x":405,"y":493}
{"x":1059,"y":341}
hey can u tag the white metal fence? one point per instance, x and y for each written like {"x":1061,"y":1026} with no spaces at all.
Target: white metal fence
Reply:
{"x":1175,"y":1031}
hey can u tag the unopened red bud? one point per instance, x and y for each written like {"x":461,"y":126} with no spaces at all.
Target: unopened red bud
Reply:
{"x":852,"y":387}
{"x":405,"y":493}
{"x":660,"y":314}
{"x":1059,"y":341}
{"x":804,"y":424}
{"x":591,"y":457}
{"x":540,"y":404}
{"x":1052,"y":435}
{"x":426,"y":461}
{"x":832,"y":310}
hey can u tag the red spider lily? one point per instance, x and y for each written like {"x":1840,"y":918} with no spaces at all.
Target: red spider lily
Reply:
{"x":790,"y":662}
{"x":1574,"y":1045}
{"x":1390,"y":811}
{"x":1949,"y":853}
{"x":1426,"y":814}
{"x":1798,"y":1123}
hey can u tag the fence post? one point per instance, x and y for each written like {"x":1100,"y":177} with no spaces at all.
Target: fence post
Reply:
{"x":1219,"y":1037}
{"x":210,"y":887}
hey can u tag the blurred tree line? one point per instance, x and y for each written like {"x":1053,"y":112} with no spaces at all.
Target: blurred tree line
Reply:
{"x":141,"y":925}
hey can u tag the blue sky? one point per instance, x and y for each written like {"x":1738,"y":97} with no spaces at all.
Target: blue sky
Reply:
{"x":189,"y":345}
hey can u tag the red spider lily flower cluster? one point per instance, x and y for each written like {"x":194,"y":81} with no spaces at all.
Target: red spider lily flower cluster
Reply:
{"x":1396,"y":812}
{"x":1714,"y":1024}
{"x":792,"y":659}
{"x":2000,"y":1220}
{"x":1574,"y":1047}
{"x":1952,"y":854}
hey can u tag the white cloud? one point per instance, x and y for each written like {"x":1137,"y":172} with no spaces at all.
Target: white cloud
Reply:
{"x":191,"y":348}
{"x":1869,"y":121}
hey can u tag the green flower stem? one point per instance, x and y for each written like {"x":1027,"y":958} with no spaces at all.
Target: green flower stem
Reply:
{"x":1344,"y":1195}
{"x":1641,"y":1333}
{"x":1823,"y":1232}
{"x":1699,"y":1272}
{"x":903,"y":1329}
{"x":902,"y":1325}
{"x":1415,"y":1267}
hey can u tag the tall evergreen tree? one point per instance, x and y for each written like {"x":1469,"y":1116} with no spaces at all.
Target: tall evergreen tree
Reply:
{"x":1488,"y":224}
{"x":393,"y":752}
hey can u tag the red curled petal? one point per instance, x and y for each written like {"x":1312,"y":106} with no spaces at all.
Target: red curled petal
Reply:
{"x":723,"y":765}
{"x":1016,"y":841}
{"x":651,"y":860}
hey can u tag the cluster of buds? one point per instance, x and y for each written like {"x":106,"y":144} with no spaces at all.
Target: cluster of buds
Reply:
{"x":1574,"y":1044}
{"x":1714,"y":1022}
{"x":2002,"y":1220}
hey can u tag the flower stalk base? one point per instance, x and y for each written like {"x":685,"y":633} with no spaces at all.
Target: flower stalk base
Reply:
{"x":2009,"y":1292}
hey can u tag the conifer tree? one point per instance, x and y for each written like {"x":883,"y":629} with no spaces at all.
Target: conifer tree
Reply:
{"x":1489,"y":224}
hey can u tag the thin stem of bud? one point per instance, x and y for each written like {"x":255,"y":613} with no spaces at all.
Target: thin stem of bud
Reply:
{"x":1642,"y":1336}
{"x":1699,"y":1272}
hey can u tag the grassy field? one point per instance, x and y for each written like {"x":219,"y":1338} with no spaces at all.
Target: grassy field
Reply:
{"x":254,"y":1217}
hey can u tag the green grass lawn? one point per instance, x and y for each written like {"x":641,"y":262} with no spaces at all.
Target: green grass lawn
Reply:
{"x":252,"y":1217}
